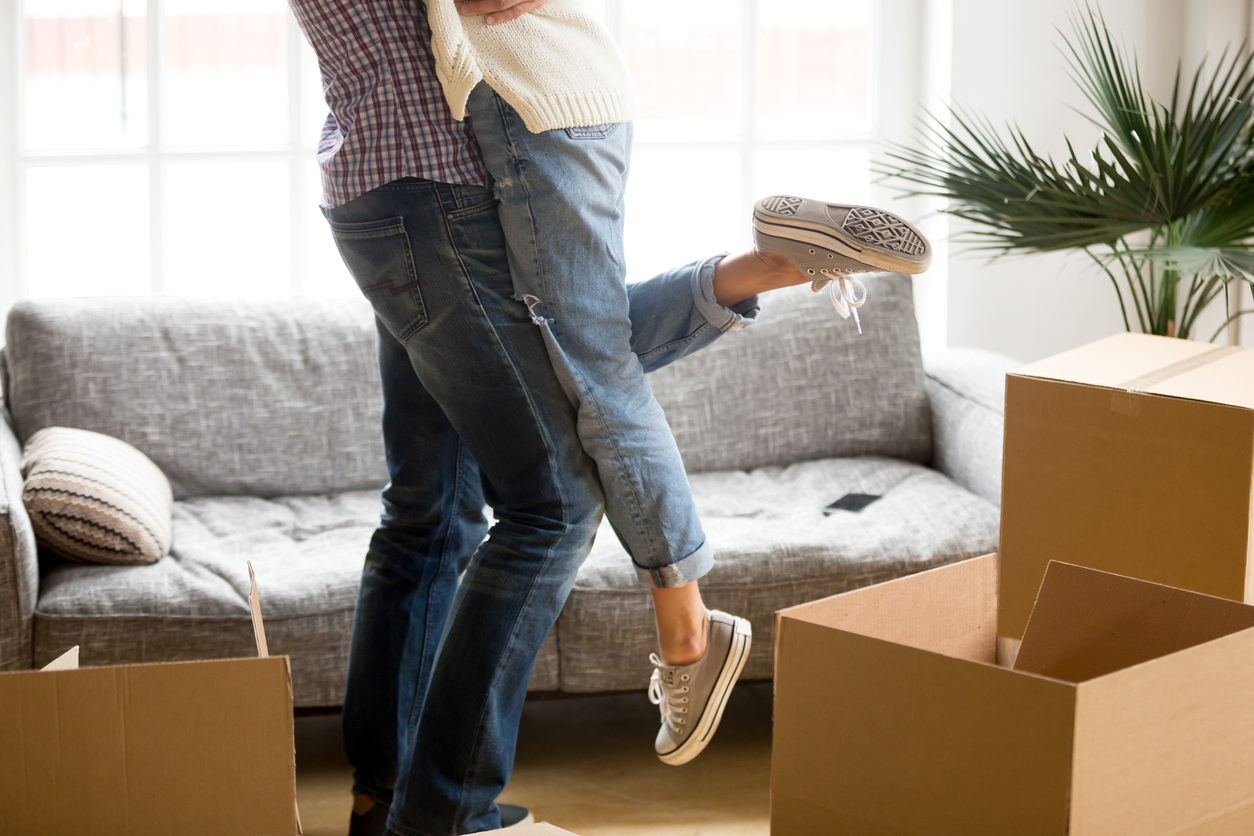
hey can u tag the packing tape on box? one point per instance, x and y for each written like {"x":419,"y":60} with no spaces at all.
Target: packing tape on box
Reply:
{"x":1123,"y":400}
{"x":1149,"y":379}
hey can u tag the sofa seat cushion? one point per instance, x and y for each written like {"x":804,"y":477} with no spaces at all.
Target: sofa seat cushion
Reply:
{"x":774,"y":548}
{"x":307,"y":552}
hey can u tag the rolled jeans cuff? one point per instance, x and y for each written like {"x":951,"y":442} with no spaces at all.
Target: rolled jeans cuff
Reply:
{"x":681,"y":572}
{"x":738,"y":316}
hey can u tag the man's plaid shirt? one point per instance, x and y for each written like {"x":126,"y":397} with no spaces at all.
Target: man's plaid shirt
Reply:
{"x":388,"y":115}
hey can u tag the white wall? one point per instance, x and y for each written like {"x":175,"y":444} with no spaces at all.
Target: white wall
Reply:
{"x":1209,"y":26}
{"x":1006,"y":64}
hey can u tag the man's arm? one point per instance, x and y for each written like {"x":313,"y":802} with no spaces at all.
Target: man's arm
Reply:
{"x":499,"y":11}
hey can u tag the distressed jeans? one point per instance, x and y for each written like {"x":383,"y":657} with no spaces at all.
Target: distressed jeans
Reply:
{"x":474,"y":412}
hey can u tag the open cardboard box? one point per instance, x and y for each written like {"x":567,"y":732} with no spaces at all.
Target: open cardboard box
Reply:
{"x":1130,"y":710}
{"x":1134,"y":455}
{"x":147,"y":750}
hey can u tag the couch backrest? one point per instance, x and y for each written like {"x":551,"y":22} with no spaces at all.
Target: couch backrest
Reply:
{"x":281,"y":396}
{"x":803,"y":384}
{"x":263,"y":397}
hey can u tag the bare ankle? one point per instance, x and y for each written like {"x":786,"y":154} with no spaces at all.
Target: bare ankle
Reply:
{"x":686,"y":649}
{"x":781,"y":271}
{"x":362,"y":804}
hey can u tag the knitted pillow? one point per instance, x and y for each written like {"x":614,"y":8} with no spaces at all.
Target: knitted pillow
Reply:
{"x":95,"y":499}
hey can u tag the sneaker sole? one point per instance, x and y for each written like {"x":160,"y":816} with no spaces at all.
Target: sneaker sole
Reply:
{"x":737,"y":655}
{"x":872,"y":236}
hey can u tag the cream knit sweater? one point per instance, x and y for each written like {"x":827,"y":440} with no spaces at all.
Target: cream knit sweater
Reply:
{"x":557,"y":66}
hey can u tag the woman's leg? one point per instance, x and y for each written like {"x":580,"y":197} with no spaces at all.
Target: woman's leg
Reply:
{"x":680,"y":615}
{"x":743,"y":276}
{"x":685,"y":309}
{"x":560,"y":199}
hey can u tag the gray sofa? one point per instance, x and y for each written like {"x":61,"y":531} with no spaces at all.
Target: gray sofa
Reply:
{"x":265,"y":417}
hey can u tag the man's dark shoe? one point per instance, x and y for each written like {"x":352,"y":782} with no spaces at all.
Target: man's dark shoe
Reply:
{"x":513,"y":816}
{"x":374,"y":822}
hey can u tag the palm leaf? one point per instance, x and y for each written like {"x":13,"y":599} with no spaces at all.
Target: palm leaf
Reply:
{"x":1180,"y":172}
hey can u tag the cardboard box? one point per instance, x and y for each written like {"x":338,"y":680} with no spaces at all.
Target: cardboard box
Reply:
{"x":1134,"y":455}
{"x":537,"y":829}
{"x":178,"y":748}
{"x":187,"y":748}
{"x":1131,"y":710}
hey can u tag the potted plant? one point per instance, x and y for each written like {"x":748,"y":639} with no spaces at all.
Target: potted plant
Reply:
{"x":1164,"y":204}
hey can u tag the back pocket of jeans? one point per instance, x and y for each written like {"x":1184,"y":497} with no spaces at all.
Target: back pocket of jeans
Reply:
{"x":592,"y":131}
{"x":381,"y":261}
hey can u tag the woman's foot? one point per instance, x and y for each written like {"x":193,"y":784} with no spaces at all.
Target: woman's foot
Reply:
{"x":837,"y":239}
{"x":691,"y":697}
{"x":828,"y":242}
{"x":739,"y":277}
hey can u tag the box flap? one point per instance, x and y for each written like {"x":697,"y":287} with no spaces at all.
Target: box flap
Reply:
{"x":67,"y":661}
{"x":1088,"y":623}
{"x":194,"y":748}
{"x":1168,"y":746}
{"x":1131,"y":484}
{"x":1114,"y":360}
{"x":873,"y":737}
{"x":254,"y":608}
{"x":950,"y":610}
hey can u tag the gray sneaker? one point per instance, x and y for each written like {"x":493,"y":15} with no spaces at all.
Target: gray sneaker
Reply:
{"x":692,"y":697}
{"x":830,"y":241}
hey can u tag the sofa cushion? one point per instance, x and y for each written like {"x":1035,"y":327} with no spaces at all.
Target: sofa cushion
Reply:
{"x":307,"y":552}
{"x":847,"y":394}
{"x":967,"y":390}
{"x":267,"y":397}
{"x":95,"y":499}
{"x":773,"y":548}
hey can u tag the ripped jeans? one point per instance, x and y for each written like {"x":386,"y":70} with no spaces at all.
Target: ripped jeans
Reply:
{"x":473,"y":412}
{"x":561,"y":206}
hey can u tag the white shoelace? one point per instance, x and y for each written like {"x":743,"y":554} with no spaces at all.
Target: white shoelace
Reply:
{"x":844,"y":292}
{"x":664,"y":695}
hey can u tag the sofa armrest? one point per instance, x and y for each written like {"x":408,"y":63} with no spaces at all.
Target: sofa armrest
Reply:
{"x":967,"y":391}
{"x":19,"y":568}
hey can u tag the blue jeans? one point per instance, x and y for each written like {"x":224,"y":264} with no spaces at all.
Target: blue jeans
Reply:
{"x":561,"y":195}
{"x":474,"y":411}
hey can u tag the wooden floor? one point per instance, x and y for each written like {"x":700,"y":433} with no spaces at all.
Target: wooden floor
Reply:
{"x":587,"y":764}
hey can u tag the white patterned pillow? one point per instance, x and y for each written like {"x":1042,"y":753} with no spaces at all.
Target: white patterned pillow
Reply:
{"x":95,"y":499}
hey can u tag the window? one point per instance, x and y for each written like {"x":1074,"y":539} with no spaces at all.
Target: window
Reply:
{"x":166,"y":146}
{"x":737,"y":101}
